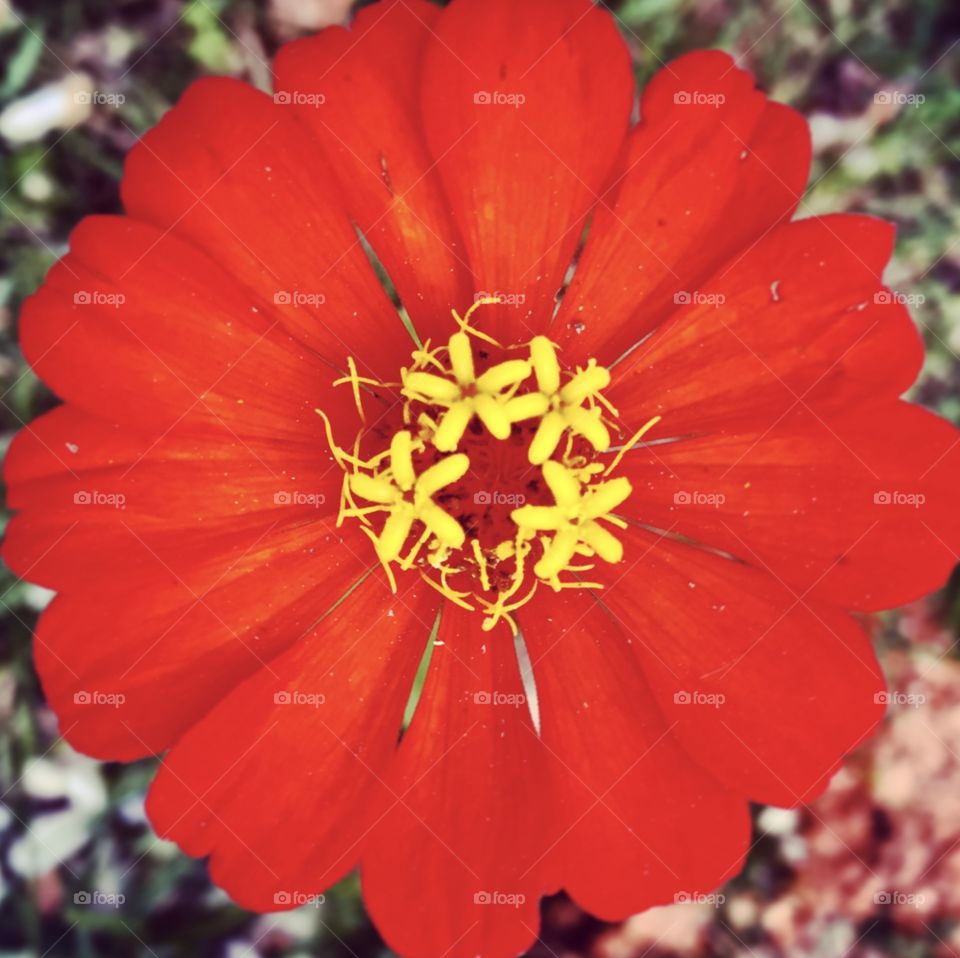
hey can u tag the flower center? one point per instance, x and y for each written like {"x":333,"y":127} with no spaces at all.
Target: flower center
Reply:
{"x":491,"y":484}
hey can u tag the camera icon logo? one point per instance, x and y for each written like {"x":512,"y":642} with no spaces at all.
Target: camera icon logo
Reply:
{"x":482,"y":98}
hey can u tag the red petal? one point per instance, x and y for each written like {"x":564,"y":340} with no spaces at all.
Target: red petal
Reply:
{"x":98,"y":501}
{"x":232,"y":171}
{"x":137,"y":326}
{"x":710,"y":169}
{"x":465,"y":828}
{"x":173,"y":480}
{"x":356,"y":90}
{"x":126,"y":678}
{"x":768,"y":691}
{"x":640,"y":824}
{"x":281,"y":789}
{"x":857,"y":509}
{"x":801,"y":319}
{"x":522,"y":175}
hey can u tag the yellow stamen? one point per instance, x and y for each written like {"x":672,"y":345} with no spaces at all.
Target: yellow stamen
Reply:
{"x":452,"y":426}
{"x":562,"y":407}
{"x":501,"y":608}
{"x":464,"y":322}
{"x":461,"y":358}
{"x":391,"y":578}
{"x":415,"y":551}
{"x":445,"y":472}
{"x":481,"y":564}
{"x":493,"y":415}
{"x":547,"y":438}
{"x":431,"y":386}
{"x":631,"y":442}
{"x":354,"y":380}
{"x":457,"y":598}
{"x":390,"y":489}
{"x":401,"y":460}
{"x":464,"y":395}
{"x":587,"y":382}
{"x":543,"y":355}
{"x":573,"y":520}
{"x":505,"y":374}
{"x":443,"y":395}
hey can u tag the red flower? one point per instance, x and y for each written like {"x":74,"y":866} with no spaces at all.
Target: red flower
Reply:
{"x":224,"y":555}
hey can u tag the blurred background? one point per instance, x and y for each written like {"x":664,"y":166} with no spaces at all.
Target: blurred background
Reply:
{"x":872,"y":868}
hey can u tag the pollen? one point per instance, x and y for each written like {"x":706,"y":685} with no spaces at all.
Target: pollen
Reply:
{"x":493,"y":476}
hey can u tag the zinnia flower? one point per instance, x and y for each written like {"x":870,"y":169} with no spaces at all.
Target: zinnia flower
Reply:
{"x":270,"y":496}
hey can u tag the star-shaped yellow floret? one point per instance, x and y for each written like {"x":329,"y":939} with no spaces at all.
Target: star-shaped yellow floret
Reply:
{"x":573,"y":520}
{"x":466,"y":395}
{"x":407,"y":497}
{"x":562,"y":407}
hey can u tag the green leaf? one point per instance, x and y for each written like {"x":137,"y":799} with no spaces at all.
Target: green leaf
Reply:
{"x":21,"y":65}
